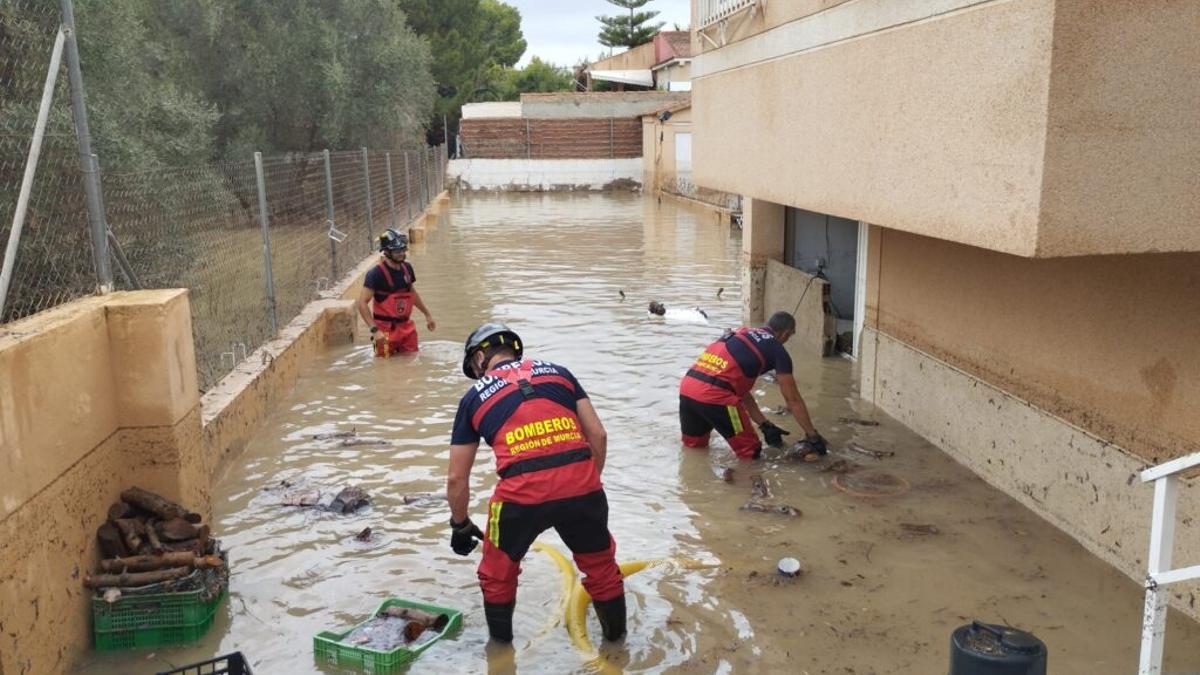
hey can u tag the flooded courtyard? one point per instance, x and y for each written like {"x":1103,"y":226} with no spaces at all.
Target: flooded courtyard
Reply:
{"x":886,"y":578}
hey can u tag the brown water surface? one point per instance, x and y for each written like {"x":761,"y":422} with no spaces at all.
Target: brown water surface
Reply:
{"x":876,"y":597}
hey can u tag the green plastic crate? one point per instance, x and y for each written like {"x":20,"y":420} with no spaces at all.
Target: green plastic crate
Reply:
{"x":147,"y":621}
{"x":327,"y":645}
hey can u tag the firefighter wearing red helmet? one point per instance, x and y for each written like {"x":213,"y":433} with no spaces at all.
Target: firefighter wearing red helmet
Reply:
{"x":388,"y":297}
{"x":550,"y":448}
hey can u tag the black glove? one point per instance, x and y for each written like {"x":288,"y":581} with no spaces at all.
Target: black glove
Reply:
{"x":463,"y":536}
{"x":817,"y":443}
{"x":772,"y":434}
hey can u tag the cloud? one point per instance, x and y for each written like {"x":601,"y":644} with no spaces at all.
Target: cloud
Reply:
{"x":564,"y":32}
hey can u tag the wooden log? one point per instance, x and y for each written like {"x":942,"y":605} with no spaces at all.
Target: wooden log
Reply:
{"x":146,"y":563}
{"x":158,"y":505}
{"x":131,"y":533}
{"x":152,"y":539}
{"x":132,"y":579}
{"x":176,"y":529}
{"x":111,"y":544}
{"x":120,"y":510}
{"x":190,"y":545}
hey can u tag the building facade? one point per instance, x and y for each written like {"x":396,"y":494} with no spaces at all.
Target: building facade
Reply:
{"x":998,"y":204}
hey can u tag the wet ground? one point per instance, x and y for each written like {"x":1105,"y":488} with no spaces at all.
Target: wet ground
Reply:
{"x":886,"y":578}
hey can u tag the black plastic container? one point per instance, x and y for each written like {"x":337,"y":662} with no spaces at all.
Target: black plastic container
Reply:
{"x":227,"y":664}
{"x":987,"y":649}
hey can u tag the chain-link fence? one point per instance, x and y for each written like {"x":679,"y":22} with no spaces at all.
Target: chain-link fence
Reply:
{"x":55,"y":263}
{"x":198,"y":227}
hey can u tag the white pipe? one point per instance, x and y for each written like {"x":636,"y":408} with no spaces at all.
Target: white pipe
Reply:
{"x":35,"y":152}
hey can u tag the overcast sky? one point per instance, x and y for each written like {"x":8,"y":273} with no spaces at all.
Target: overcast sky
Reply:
{"x":564,"y":31}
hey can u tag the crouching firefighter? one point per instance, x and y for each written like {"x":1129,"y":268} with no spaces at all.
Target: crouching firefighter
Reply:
{"x":716,"y":391}
{"x":550,"y":448}
{"x":388,"y":297}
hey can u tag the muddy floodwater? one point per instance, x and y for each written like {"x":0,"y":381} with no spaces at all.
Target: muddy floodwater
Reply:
{"x":886,"y":579}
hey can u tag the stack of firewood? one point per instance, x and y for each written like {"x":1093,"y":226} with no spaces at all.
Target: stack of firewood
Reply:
{"x":148,"y":539}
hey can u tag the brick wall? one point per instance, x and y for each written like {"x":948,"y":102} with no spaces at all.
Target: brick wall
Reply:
{"x":579,"y":138}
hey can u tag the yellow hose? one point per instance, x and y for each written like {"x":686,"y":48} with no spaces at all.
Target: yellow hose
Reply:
{"x":566,"y":570}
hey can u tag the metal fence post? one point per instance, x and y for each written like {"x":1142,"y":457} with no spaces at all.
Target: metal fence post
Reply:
{"x":333,"y":266}
{"x":91,"y":188}
{"x":408,"y":216}
{"x":264,"y":221}
{"x":391,"y":191}
{"x":114,"y":245}
{"x":370,"y":215}
{"x":31,"y":162}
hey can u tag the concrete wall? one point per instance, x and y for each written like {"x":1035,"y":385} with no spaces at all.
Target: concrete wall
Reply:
{"x":1034,"y":127}
{"x":658,"y":145}
{"x":638,"y":58}
{"x":78,"y":424}
{"x":1056,"y":380}
{"x":1109,"y":343}
{"x":491,"y":109}
{"x":1124,"y":143}
{"x":806,"y":297}
{"x":936,"y":128}
{"x":599,"y":104}
{"x":537,"y":175}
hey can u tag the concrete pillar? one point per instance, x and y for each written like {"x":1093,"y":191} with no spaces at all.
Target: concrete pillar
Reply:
{"x":762,"y":240}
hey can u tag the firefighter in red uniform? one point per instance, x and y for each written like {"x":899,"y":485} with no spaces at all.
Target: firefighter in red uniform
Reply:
{"x":550,"y":448}
{"x":716,"y":391}
{"x":389,"y":285}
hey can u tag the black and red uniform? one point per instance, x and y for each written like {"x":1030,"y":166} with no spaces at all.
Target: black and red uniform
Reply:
{"x":526,"y":411}
{"x":710,"y":395}
{"x":393,"y":304}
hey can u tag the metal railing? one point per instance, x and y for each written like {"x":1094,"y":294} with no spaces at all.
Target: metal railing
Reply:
{"x":710,"y":12}
{"x":1160,"y":574}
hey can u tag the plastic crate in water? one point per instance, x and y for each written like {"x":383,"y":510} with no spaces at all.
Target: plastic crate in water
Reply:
{"x":328,"y":646}
{"x":228,"y":664}
{"x":146,"y":621}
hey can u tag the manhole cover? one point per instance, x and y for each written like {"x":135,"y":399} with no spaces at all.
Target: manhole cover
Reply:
{"x":870,"y":484}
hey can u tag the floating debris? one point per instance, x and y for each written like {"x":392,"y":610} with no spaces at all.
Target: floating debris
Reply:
{"x":761,"y":507}
{"x":423,"y":498}
{"x":302,"y":497}
{"x":350,"y":500}
{"x":758,"y":487}
{"x":877,"y":454}
{"x":720,"y":291}
{"x":351,"y":442}
{"x":336,"y":434}
{"x":725,"y":473}
{"x":789,"y":567}
{"x":365,"y":535}
{"x":919,"y":528}
{"x":776,"y":410}
{"x":856,"y":421}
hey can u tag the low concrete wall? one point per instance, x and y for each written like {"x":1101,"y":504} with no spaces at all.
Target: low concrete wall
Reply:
{"x":600,"y":104}
{"x":805,"y":296}
{"x":1084,"y":485}
{"x":79,"y":423}
{"x":538,"y":175}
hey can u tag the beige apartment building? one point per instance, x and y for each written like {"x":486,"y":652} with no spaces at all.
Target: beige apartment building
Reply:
{"x":1002,"y":198}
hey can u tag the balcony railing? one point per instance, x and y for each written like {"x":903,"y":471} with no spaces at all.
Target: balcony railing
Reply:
{"x":712,"y":11}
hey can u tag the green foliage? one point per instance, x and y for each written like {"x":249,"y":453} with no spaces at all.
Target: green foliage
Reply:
{"x":630,"y":30}
{"x":300,"y":75}
{"x":537,"y":77}
{"x":474,"y":43}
